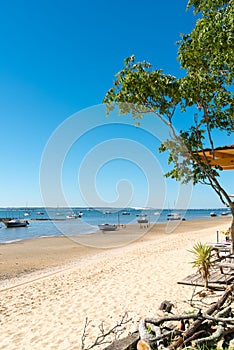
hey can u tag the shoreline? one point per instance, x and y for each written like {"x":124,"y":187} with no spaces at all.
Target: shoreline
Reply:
{"x":22,"y":257}
{"x":71,"y":283}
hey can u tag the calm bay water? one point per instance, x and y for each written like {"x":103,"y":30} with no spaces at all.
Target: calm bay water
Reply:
{"x":54,"y":221}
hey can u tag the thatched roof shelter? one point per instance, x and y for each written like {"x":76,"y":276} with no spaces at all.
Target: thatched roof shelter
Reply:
{"x":222,"y":156}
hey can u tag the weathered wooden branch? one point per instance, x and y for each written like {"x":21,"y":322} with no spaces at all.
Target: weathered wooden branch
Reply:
{"x":156,"y":333}
{"x":87,"y":322}
{"x":158,"y":321}
{"x":128,"y":342}
{"x":147,"y":339}
{"x":196,"y":324}
{"x":190,"y":334}
{"x":144,"y":332}
{"x":102,"y":338}
{"x":228,"y":331}
{"x":194,"y":336}
{"x":216,"y":336}
{"x":226,"y":311}
{"x":159,"y":342}
{"x":219,"y":319}
{"x":167,"y":334}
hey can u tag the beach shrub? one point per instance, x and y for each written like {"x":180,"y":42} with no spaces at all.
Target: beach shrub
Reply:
{"x":203,"y":262}
{"x":226,"y":233}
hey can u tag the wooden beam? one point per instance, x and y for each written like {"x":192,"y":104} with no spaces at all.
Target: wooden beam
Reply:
{"x":221,"y":157}
{"x":222,"y":162}
{"x":217,"y":155}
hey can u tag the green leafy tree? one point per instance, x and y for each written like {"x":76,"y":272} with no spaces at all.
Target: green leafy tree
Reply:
{"x":207,"y":59}
{"x":203,"y":262}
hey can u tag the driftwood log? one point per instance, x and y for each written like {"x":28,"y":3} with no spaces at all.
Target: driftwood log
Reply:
{"x":129,"y":342}
{"x":214,"y":325}
{"x":206,"y":328}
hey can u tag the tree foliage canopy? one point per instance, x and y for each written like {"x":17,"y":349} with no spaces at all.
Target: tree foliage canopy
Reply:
{"x":206,"y":56}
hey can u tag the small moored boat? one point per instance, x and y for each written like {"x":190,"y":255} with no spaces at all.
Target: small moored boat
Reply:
{"x":16,"y":223}
{"x":107,"y":227}
{"x":143,"y":220}
{"x":105,"y":212}
{"x":213,"y":214}
{"x":173,"y":216}
{"x":72,"y":216}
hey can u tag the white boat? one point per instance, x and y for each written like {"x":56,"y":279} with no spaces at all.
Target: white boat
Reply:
{"x":26,"y":214}
{"x":224,"y":213}
{"x":125,"y":213}
{"x":16,"y":223}
{"x":107,"y":227}
{"x":72,"y":216}
{"x":79,"y":214}
{"x":173,"y":216}
{"x":143,"y":220}
{"x":213,"y":214}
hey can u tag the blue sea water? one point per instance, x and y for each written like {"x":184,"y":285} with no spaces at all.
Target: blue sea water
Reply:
{"x":54,"y":222}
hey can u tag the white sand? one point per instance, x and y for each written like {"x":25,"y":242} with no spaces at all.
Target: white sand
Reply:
{"x":50,"y":312}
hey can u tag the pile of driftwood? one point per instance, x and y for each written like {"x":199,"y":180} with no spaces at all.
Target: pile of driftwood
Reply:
{"x":209,"y":329}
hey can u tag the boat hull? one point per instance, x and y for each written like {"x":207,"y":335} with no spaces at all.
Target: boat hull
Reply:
{"x":107,"y":227}
{"x":15,"y":223}
{"x":142,"y":221}
{"x":173,"y":216}
{"x":72,"y":217}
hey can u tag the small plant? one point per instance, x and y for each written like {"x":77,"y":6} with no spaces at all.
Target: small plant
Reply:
{"x":227,"y":234}
{"x":203,"y":260}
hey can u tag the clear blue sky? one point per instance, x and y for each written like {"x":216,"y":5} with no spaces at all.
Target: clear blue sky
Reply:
{"x":59,"y":58}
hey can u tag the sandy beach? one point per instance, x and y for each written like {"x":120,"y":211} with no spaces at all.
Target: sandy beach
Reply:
{"x":49,"y":286}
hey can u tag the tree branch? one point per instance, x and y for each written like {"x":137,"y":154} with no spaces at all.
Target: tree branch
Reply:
{"x":101,"y":339}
